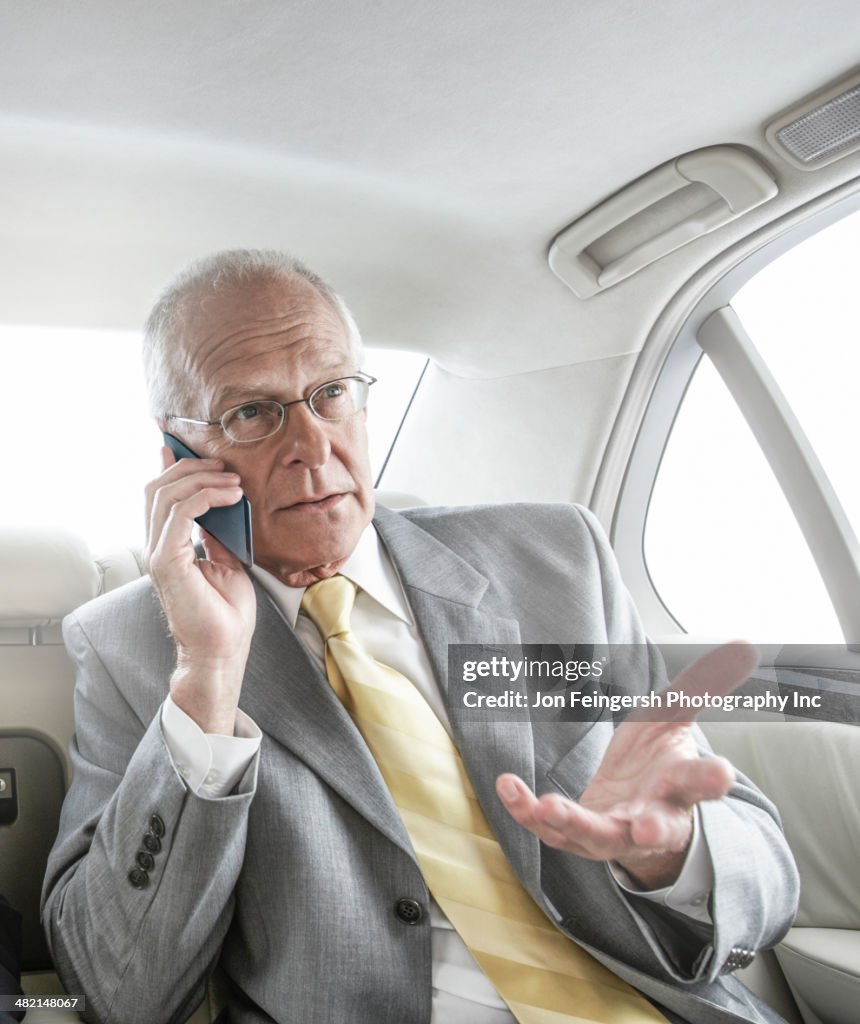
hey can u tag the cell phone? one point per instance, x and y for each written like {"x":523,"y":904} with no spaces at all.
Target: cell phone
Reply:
{"x":230,"y":524}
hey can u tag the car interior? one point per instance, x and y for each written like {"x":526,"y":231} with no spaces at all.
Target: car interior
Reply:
{"x":555,"y":206}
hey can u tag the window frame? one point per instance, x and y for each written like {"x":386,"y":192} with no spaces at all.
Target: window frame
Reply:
{"x":691,"y":324}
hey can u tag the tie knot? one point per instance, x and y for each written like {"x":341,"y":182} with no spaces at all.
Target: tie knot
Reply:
{"x":329,"y":604}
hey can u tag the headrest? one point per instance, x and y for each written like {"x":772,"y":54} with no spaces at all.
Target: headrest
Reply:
{"x":119,"y":567}
{"x":44,"y":574}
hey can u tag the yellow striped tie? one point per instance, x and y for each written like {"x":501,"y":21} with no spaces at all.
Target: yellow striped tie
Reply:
{"x":543,"y":976}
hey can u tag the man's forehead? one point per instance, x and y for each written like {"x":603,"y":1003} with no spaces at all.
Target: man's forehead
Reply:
{"x":232,"y":337}
{"x":245,"y":322}
{"x":239,"y":302}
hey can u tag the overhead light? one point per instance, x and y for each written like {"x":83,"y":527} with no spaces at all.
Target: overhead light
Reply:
{"x":821,"y":130}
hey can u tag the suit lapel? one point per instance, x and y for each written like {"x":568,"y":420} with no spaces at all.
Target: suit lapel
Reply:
{"x":286,"y":692}
{"x":289,"y":696}
{"x":445,"y":592}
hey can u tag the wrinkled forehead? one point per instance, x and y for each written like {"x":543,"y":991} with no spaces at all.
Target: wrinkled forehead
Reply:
{"x":231,"y":331}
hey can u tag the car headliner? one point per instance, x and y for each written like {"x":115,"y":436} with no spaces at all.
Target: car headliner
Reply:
{"x":422,"y":156}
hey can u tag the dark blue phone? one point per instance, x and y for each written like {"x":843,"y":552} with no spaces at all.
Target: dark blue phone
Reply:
{"x":230,"y":524}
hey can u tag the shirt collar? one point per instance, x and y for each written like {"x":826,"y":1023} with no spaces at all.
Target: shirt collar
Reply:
{"x":369,"y":567}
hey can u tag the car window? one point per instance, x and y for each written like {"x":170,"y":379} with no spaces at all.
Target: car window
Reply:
{"x":803,"y":311}
{"x":721,"y":544}
{"x":722,"y":547}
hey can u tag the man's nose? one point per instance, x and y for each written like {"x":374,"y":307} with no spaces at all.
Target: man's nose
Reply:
{"x":304,"y":438}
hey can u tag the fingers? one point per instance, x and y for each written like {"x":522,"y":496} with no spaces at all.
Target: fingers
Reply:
{"x":697,"y":779}
{"x":716,"y":673}
{"x":216,"y":552}
{"x":174,"y":536}
{"x":208,"y":602}
{"x":624,"y":832}
{"x":563,"y":824}
{"x":719,"y":671}
{"x":174,"y":470}
{"x":178,"y":486}
{"x":659,"y":832}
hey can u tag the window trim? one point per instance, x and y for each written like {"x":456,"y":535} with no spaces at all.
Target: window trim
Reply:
{"x":668,"y":360}
{"x":795,"y":464}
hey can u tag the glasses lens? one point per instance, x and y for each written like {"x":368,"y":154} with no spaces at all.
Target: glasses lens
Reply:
{"x":253,"y":421}
{"x":340,"y":399}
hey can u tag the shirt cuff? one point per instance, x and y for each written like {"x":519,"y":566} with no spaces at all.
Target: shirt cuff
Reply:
{"x":210,"y":764}
{"x":691,"y":890}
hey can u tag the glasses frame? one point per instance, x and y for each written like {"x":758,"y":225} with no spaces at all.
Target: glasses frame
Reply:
{"x":365,"y":378}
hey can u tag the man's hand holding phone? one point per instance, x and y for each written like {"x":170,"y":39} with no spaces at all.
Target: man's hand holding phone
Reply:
{"x":209,"y":603}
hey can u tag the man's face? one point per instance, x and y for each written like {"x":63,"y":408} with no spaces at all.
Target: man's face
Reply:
{"x":310,"y":484}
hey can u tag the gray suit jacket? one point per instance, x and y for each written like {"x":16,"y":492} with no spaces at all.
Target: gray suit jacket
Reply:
{"x":291,"y":883}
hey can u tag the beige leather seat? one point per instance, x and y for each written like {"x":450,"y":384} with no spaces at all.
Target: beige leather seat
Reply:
{"x":810,"y":770}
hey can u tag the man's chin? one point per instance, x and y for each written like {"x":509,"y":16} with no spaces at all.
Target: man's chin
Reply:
{"x":309,"y":549}
{"x":309,"y":571}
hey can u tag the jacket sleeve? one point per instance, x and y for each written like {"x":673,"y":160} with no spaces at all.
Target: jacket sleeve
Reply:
{"x":756,"y":886}
{"x":138,"y":893}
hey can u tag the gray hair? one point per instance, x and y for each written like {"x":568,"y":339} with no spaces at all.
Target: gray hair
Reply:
{"x":170,"y":390}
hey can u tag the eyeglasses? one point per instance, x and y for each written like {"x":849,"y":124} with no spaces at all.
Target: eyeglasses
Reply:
{"x":254,"y":421}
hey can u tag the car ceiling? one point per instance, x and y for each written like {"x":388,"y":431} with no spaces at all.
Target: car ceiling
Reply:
{"x":421,"y":156}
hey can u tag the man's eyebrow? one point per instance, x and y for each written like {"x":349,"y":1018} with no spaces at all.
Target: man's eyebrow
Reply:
{"x":234,"y":394}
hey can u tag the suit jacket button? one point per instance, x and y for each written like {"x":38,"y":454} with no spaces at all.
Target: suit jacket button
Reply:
{"x":145,"y":860}
{"x":151,"y":842}
{"x":156,"y":826}
{"x":138,"y":878}
{"x":409,"y":911}
{"x":738,"y":958}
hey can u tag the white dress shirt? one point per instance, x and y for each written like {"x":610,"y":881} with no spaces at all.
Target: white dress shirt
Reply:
{"x":212,"y":765}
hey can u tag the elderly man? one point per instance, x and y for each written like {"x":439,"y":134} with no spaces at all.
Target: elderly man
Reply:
{"x":270,"y":771}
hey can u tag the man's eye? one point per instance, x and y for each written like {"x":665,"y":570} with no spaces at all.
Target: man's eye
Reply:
{"x":334,"y":390}
{"x":247,"y":412}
